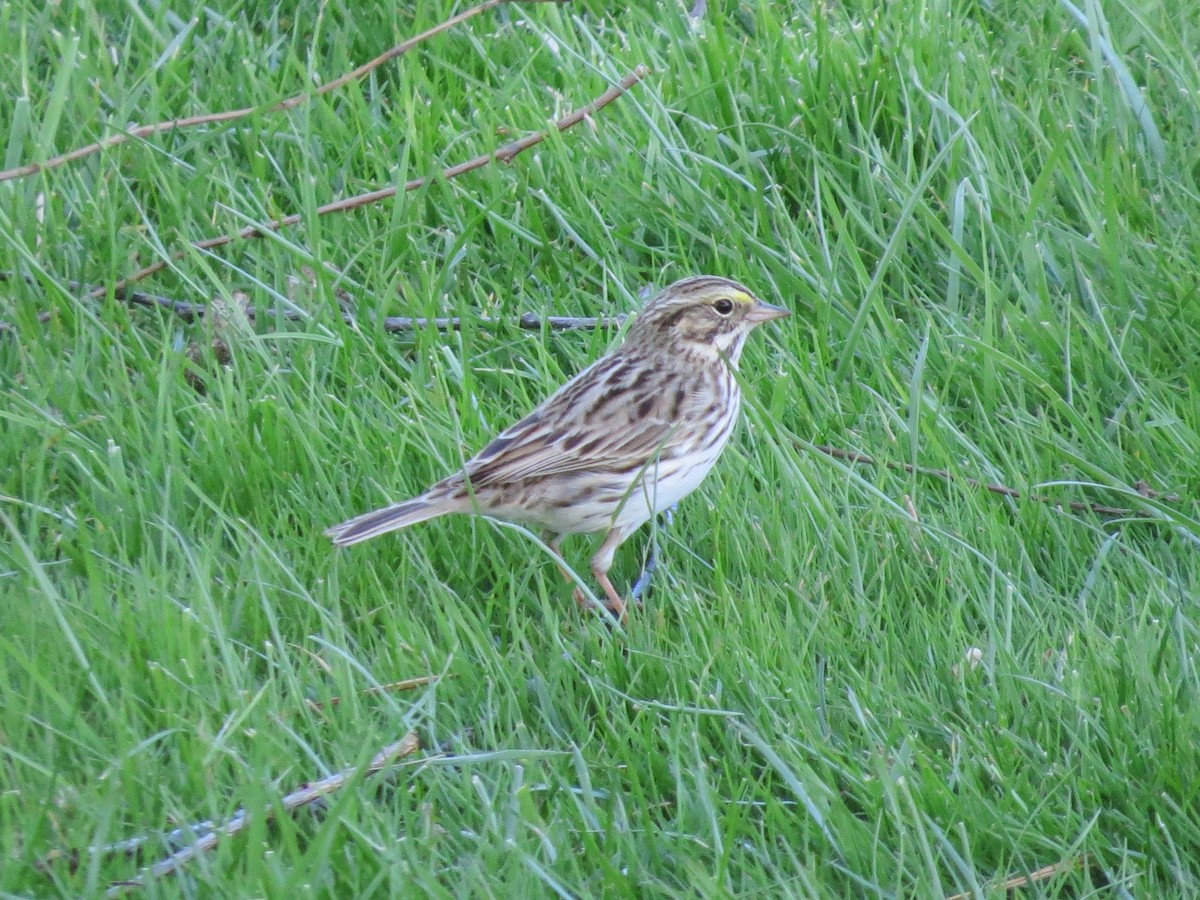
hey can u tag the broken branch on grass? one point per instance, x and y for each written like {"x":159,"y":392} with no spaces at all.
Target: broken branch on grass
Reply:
{"x":1023,"y":881}
{"x":505,"y":154}
{"x":303,"y":796}
{"x":230,"y":115}
{"x":190,"y":312}
{"x":947,"y":476}
{"x":407,"y":684}
{"x":526,"y":322}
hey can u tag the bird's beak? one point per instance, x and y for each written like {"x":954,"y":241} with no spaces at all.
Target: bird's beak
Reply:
{"x":765,"y":312}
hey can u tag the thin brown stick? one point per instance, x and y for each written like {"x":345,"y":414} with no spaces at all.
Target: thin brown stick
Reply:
{"x":1021,"y":881}
{"x":526,"y":322}
{"x":189,"y":312}
{"x":230,"y":115}
{"x":505,"y":154}
{"x":302,"y":796}
{"x":944,"y":475}
{"x":177,"y":837}
{"x":407,"y":684}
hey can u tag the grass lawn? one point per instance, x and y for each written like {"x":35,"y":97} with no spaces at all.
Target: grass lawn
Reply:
{"x":847,"y":680}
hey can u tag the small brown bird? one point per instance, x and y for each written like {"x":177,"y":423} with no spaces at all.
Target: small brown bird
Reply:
{"x":626,"y":438}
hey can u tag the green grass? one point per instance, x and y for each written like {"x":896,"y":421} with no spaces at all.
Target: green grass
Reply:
{"x":993,"y":263}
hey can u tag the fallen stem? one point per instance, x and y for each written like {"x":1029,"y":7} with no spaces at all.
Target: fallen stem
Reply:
{"x":178,"y":837}
{"x":947,"y":476}
{"x":407,"y":684}
{"x":191,"y":312}
{"x":1023,"y":881}
{"x":231,"y":115}
{"x":302,"y":796}
{"x":505,"y":154}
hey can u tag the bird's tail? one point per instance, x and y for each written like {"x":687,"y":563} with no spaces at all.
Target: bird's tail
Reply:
{"x":390,"y":518}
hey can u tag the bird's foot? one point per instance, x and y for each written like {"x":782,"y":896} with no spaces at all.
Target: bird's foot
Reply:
{"x":615,"y":606}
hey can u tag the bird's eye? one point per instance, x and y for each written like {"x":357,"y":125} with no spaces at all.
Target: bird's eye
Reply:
{"x":723,"y":306}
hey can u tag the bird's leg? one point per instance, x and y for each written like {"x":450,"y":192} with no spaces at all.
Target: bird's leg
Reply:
{"x":601,"y":563}
{"x":666,"y":518}
{"x":616,"y":605}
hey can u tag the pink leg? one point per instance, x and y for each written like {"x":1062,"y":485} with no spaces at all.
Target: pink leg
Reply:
{"x":601,"y":563}
{"x":555,"y":546}
{"x":615,"y":604}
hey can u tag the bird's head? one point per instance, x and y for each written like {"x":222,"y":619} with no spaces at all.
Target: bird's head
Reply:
{"x":705,"y":314}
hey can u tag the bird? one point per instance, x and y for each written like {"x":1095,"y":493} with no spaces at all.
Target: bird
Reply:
{"x":628,"y":437}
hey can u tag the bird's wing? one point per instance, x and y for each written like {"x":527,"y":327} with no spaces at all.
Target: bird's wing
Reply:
{"x":608,"y":418}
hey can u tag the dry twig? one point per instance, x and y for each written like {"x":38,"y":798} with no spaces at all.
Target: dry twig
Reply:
{"x":1074,"y":505}
{"x":189,"y":312}
{"x":231,"y":115}
{"x":505,"y":154}
{"x":407,"y":684}
{"x":1023,"y":881}
{"x":302,"y":796}
{"x":393,"y":324}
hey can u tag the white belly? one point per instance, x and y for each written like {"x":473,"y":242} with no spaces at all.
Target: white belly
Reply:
{"x":623,"y":507}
